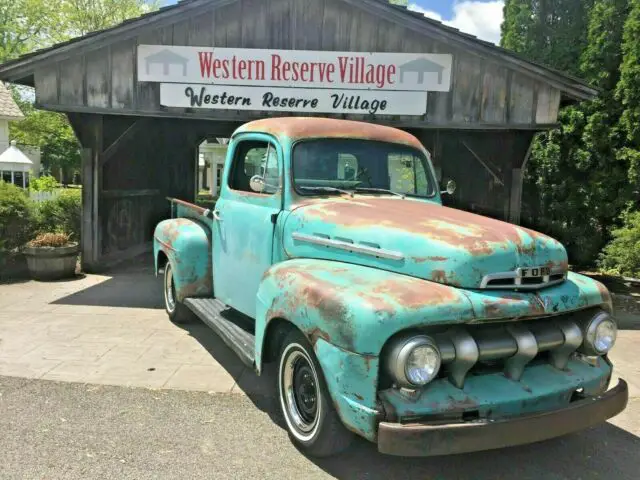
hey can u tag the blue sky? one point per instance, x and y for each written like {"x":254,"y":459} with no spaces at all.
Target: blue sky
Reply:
{"x":481,"y":18}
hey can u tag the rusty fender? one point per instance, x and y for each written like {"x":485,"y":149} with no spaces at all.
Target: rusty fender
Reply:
{"x":354,"y":307}
{"x":187,"y":245}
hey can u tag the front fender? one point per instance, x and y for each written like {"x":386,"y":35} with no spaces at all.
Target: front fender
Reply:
{"x":359,"y":308}
{"x":187,"y":245}
{"x":353,"y":307}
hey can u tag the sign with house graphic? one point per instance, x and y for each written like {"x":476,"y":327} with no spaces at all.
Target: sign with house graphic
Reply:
{"x":298,"y":80}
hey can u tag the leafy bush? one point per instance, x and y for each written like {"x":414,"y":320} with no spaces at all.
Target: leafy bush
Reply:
{"x":43,"y":184}
{"x":622,"y":255}
{"x":206,"y":200}
{"x":16,"y":222}
{"x":50,"y":240}
{"x":61,"y":215}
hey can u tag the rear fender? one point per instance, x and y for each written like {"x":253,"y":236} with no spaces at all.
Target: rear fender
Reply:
{"x":187,"y":245}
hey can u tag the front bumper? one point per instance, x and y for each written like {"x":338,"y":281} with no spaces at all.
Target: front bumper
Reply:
{"x":430,"y":440}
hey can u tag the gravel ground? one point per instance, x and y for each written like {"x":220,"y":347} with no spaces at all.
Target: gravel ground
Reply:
{"x":65,"y":431}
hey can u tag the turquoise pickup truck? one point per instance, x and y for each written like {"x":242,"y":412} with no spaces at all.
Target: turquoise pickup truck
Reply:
{"x":422,"y":328}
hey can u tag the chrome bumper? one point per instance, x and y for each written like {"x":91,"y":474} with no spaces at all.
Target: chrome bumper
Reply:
{"x":417,"y":440}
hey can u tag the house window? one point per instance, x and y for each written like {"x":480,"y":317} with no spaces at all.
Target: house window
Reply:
{"x":18,"y":178}
{"x":6,"y":177}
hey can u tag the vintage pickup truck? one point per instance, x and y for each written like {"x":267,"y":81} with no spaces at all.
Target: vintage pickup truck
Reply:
{"x":425,"y":329}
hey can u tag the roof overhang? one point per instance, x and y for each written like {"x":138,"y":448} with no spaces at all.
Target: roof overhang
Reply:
{"x":22,"y":70}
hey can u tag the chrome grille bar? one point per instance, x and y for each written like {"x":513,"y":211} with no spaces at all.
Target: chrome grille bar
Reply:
{"x":514,"y":344}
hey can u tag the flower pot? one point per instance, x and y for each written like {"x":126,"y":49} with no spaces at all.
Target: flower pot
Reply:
{"x":52,"y":263}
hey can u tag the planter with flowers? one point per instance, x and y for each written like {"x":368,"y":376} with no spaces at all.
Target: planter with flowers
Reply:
{"x":51,"y":256}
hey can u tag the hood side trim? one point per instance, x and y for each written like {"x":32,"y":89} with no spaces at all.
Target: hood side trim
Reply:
{"x":349,"y":247}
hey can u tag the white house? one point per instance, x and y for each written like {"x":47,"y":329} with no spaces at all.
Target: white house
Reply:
{"x":210,"y":165}
{"x":16,"y":165}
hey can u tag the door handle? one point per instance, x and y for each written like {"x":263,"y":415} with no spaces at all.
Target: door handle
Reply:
{"x":215,"y":214}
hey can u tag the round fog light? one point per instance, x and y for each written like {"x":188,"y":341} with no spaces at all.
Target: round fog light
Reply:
{"x":601,"y":334}
{"x":423,"y":364}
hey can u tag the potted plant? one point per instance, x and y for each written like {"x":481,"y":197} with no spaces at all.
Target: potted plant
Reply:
{"x":51,"y":256}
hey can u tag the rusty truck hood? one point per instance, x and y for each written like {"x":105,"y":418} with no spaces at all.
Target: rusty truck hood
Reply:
{"x":416,"y":238}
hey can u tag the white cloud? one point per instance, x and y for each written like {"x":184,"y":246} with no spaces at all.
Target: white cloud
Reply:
{"x":482,"y":19}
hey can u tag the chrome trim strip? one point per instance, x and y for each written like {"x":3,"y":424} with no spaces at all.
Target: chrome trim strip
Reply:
{"x":349,"y":247}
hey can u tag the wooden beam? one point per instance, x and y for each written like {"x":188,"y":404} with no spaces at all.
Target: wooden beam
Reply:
{"x":483,"y":163}
{"x":232,"y":121}
{"x":112,"y":149}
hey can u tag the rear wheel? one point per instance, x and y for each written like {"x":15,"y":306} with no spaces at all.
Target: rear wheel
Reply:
{"x":178,"y":313}
{"x":312,"y":421}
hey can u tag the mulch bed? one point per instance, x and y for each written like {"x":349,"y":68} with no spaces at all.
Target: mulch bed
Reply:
{"x":625,"y":292}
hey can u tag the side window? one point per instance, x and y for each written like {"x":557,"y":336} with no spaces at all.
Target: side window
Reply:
{"x":407,"y":175}
{"x":255,"y":158}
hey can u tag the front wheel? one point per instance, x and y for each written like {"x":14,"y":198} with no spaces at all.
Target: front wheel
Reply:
{"x":311,"y":419}
{"x":178,"y":313}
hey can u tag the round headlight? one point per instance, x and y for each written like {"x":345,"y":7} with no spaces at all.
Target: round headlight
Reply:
{"x":600,"y":334}
{"x":423,"y":364}
{"x":413,"y":361}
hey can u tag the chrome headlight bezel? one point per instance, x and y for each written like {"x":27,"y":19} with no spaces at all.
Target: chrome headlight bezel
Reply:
{"x":400,"y":350}
{"x":591,"y":328}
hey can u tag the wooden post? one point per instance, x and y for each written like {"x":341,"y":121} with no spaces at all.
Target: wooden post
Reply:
{"x":91,"y":182}
{"x":90,"y":220}
{"x":516,"y":196}
{"x":89,"y":257}
{"x":517,"y":175}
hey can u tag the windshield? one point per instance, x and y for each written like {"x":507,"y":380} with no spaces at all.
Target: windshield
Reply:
{"x":326,"y":166}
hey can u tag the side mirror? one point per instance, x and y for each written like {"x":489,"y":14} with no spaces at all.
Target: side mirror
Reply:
{"x":257,"y":183}
{"x":451,"y":188}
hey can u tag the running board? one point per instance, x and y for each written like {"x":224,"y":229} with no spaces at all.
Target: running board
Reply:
{"x":231,"y":326}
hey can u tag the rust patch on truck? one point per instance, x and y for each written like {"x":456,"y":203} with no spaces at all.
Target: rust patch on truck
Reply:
{"x":480,"y":236}
{"x":297,"y":128}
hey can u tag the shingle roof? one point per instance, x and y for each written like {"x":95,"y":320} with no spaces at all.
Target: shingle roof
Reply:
{"x":8,"y":108}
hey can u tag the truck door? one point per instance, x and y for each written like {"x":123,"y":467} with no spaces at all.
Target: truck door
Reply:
{"x":245,"y":219}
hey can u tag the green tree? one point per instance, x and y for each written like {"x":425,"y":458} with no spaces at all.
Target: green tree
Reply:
{"x":80,"y":17}
{"x":578,"y":182}
{"x":30,"y":24}
{"x":552,"y":32}
{"x":52,"y":133}
{"x":24,"y":26}
{"x":628,"y":94}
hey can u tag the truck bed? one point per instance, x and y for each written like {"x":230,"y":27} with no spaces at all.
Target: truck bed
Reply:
{"x":184,"y":209}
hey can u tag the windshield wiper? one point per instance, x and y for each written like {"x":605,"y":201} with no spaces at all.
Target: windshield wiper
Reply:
{"x":378,"y":190}
{"x":327,"y":189}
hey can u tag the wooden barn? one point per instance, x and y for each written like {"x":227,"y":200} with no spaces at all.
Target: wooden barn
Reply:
{"x":125,"y":91}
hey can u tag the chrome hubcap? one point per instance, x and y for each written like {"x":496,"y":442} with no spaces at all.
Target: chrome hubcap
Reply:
{"x":300,"y":388}
{"x":169,"y":289}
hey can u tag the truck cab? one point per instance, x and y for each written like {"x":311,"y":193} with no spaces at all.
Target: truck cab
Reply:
{"x":425,"y":329}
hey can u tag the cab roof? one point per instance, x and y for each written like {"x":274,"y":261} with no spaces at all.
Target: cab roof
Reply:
{"x":292,"y":129}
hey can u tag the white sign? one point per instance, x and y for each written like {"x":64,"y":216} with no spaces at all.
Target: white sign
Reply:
{"x":414,"y":72}
{"x":293,"y":99}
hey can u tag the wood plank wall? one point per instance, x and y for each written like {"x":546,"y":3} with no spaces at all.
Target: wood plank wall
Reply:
{"x":484,"y":94}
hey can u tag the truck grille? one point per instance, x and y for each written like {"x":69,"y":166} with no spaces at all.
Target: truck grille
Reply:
{"x":514,"y":280}
{"x":508,"y":347}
